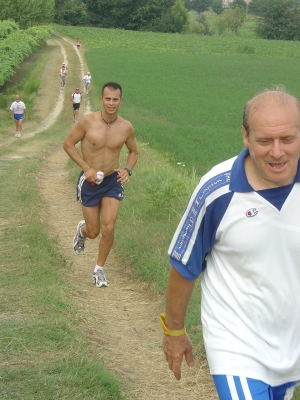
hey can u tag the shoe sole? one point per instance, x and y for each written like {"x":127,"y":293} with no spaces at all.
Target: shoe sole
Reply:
{"x":103,"y":284}
{"x":79,"y":225}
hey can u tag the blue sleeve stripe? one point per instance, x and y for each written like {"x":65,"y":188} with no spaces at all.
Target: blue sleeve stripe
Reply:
{"x":195,"y":213}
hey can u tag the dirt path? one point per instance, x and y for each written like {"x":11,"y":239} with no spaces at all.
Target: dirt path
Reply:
{"x":120,"y":322}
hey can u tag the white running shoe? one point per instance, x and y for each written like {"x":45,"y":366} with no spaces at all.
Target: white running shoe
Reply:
{"x":99,"y":278}
{"x":79,"y":240}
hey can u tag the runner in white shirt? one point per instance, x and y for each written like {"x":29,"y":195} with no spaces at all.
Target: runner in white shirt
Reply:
{"x":87,"y":82}
{"x":63,"y":75}
{"x":241,"y":232}
{"x":17,"y":113}
{"x":76,"y":98}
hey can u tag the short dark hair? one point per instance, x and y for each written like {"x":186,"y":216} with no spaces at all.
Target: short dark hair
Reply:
{"x":113,"y":86}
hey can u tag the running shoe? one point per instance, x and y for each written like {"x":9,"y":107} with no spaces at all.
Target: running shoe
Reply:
{"x":99,"y":278}
{"x":79,"y":240}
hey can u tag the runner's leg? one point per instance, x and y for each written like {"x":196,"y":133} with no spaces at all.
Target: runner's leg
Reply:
{"x":91,"y":216}
{"x":109,"y":213}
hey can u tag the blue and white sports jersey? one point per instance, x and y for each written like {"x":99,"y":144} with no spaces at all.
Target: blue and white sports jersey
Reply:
{"x":247,"y":247}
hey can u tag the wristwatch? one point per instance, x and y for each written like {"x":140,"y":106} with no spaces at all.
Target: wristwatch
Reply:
{"x":129,"y":171}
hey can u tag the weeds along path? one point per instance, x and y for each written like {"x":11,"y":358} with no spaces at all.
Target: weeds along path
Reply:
{"x":120,"y":323}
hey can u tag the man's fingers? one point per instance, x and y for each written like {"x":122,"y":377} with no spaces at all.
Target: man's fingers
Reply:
{"x":174,"y":366}
{"x":189,"y":358}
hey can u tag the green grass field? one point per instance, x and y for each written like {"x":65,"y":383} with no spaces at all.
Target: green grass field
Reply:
{"x":190,"y":107}
{"x":184,"y":93}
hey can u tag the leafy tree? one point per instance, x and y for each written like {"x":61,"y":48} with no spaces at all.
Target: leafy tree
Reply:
{"x":70,"y":12}
{"x":253,"y":7}
{"x":202,"y":27}
{"x":197,"y":5}
{"x":280,"y":20}
{"x":180,"y":16}
{"x":217,"y":6}
{"x":152,"y":15}
{"x":27,"y":12}
{"x":240,"y":3}
{"x":128,"y":14}
{"x":232,"y":18}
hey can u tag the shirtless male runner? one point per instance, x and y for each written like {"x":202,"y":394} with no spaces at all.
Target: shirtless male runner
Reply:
{"x":102,"y":135}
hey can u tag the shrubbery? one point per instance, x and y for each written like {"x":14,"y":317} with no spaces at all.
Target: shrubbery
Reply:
{"x":17,"y":45}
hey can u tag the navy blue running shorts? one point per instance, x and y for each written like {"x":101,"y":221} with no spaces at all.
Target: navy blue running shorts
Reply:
{"x":90,"y":195}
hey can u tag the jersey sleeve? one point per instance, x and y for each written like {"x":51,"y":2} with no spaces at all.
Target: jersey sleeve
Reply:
{"x":196,"y":232}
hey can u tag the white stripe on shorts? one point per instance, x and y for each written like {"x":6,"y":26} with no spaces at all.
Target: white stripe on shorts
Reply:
{"x":245,"y":387}
{"x":79,"y":186}
{"x":232,"y":387}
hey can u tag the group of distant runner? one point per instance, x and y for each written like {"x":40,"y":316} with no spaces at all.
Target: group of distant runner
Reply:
{"x":76,"y":97}
{"x":18,"y":108}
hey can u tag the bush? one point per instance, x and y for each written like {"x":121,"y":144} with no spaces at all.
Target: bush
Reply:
{"x":3,"y":102}
{"x":217,"y":6}
{"x":32,"y":85}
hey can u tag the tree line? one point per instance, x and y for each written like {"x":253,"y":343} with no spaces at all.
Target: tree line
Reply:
{"x":276,"y":19}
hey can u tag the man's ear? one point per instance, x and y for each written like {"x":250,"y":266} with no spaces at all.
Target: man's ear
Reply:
{"x":245,"y":137}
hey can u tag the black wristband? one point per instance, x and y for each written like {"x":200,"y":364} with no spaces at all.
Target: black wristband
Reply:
{"x":129,"y":171}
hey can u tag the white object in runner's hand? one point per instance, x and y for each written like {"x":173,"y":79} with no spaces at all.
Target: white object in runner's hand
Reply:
{"x":100,"y":176}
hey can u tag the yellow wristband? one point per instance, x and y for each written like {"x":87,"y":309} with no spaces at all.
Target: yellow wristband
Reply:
{"x":168,"y":332}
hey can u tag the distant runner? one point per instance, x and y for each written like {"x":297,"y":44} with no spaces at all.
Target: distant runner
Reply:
{"x":87,"y":82}
{"x":63,"y":75}
{"x":76,"y":100}
{"x":17,"y":113}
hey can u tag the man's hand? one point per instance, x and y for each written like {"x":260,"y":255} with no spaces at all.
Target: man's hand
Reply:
{"x":175,"y":348}
{"x":91,"y":175}
{"x":123,"y":176}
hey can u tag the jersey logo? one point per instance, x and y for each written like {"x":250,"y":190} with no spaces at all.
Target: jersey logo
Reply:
{"x":251,"y":212}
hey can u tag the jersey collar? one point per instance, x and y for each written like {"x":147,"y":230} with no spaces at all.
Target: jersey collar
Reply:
{"x":238,"y":179}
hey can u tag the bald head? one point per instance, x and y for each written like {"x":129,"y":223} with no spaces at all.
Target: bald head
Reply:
{"x":276,"y":97}
{"x":17,"y":97}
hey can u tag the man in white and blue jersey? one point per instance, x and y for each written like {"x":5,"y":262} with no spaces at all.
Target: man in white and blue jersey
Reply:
{"x":241,"y":231}
{"x":17,"y":114}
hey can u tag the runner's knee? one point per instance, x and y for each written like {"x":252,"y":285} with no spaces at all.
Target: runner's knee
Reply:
{"x":108,"y":230}
{"x":92,"y":232}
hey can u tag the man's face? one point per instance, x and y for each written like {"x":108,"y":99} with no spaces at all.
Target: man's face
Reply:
{"x":274,"y":143}
{"x":17,"y":99}
{"x":111,"y":100}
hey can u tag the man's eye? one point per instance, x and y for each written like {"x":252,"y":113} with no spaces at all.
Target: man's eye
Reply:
{"x":264,"y":141}
{"x":287,"y":140}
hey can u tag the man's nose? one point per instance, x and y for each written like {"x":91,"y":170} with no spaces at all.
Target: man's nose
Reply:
{"x":276,"y":150}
